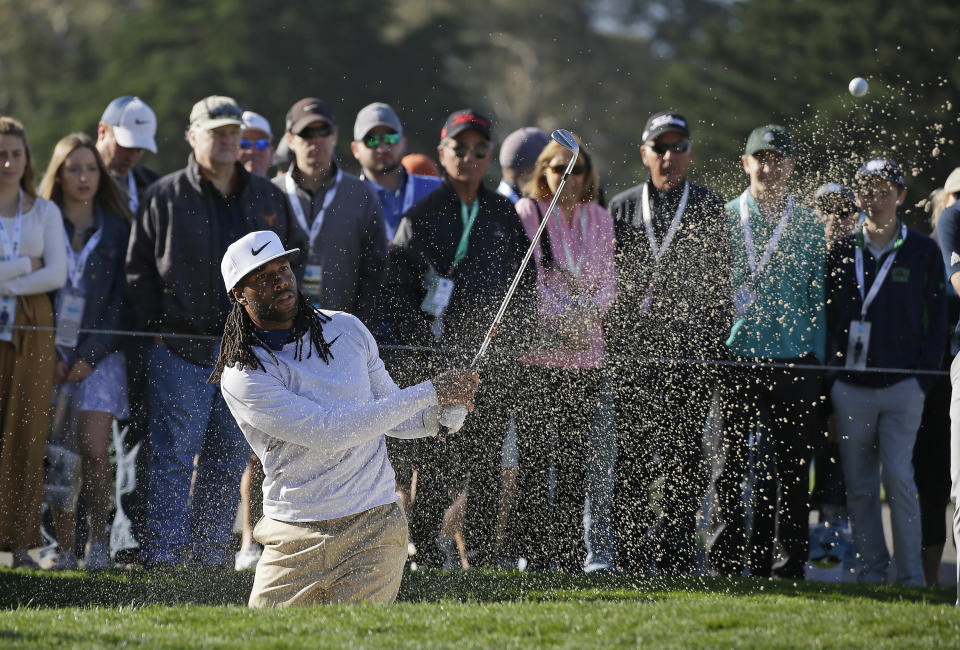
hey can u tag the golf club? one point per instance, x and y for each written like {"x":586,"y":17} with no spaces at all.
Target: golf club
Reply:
{"x":566,"y":140}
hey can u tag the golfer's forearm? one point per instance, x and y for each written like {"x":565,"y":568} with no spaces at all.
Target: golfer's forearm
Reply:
{"x":424,"y":424}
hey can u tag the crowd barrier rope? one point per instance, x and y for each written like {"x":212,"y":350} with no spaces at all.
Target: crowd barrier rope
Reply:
{"x":641,"y":360}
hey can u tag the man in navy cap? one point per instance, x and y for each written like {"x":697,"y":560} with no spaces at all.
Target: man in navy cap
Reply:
{"x":886,"y":308}
{"x":518,"y":156}
{"x":673,"y":258}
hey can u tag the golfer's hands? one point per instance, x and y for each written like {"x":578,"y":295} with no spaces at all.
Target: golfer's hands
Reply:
{"x":456,"y":387}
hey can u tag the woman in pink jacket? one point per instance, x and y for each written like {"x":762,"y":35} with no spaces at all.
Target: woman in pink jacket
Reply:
{"x":576,"y":285}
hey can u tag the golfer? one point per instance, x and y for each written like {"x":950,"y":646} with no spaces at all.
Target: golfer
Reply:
{"x":311,"y":395}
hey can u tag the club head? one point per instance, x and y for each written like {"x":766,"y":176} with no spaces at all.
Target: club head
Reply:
{"x":566,"y":140}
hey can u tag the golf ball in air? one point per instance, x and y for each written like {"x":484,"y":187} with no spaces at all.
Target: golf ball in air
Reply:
{"x":858,"y":86}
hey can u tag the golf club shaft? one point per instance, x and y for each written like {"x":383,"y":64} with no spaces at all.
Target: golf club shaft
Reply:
{"x":523,"y":265}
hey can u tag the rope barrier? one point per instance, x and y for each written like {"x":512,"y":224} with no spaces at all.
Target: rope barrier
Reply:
{"x":516,"y":353}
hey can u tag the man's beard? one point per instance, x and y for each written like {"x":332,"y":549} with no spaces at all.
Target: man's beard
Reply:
{"x":272,"y":313}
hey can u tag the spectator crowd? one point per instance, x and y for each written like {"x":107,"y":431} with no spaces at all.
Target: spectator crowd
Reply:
{"x":818,"y":324}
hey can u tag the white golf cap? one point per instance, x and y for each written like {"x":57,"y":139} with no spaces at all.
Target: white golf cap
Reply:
{"x":952,"y":183}
{"x":249,"y":252}
{"x":134,"y":123}
{"x":257,"y":121}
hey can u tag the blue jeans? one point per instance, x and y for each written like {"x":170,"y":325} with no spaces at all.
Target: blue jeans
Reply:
{"x":189,"y":418}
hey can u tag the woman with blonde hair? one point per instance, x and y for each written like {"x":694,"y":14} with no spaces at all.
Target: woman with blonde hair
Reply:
{"x":33,"y":261}
{"x":96,"y":222}
{"x":576,"y":285}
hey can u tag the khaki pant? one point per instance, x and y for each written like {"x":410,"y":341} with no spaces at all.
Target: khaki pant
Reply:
{"x":351,"y":559}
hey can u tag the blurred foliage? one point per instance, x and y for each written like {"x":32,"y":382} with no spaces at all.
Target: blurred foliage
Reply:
{"x":598,"y":67}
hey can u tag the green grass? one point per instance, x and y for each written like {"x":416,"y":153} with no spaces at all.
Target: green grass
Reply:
{"x":477,"y":609}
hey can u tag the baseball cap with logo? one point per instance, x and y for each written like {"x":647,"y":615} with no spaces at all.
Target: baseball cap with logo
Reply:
{"x":256,"y":121}
{"x":215,"y":111}
{"x":460,"y":121}
{"x":134,"y":123}
{"x":770,"y":137}
{"x":307,"y":111}
{"x":665,"y":122}
{"x":373,"y":115}
{"x":883,"y":169}
{"x":250,"y":252}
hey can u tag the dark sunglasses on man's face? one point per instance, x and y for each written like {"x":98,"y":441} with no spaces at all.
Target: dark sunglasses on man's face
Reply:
{"x":576,"y":171}
{"x":321,"y":131}
{"x":373,"y":141}
{"x":660,"y":148}
{"x":259,"y":145}
{"x":480,"y":150}
{"x":227,"y":110}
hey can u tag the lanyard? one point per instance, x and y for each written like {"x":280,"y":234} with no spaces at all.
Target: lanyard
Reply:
{"x":11,"y":249}
{"x":467,"y":217}
{"x":134,"y":198}
{"x":756,"y":269}
{"x":407,"y":195}
{"x":574,"y":267}
{"x":314,"y":228}
{"x":866,"y":301}
{"x":674,"y":226}
{"x":507,"y":190}
{"x":78,"y":261}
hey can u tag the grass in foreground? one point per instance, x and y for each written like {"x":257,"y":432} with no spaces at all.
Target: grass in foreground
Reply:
{"x":478,"y":609}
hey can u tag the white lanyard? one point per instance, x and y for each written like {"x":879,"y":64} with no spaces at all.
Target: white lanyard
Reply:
{"x":314,"y":228}
{"x":506,"y":189}
{"x":11,"y":249}
{"x":132,"y":193}
{"x":78,"y":261}
{"x":574,"y":267}
{"x":756,"y":269}
{"x":866,"y":301}
{"x":658,"y":252}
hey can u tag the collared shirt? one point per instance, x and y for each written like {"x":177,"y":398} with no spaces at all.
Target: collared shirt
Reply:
{"x":787,"y":320}
{"x":395,"y":203}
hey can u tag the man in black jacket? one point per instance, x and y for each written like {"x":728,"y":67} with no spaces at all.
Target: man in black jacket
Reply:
{"x":452,"y":260}
{"x":673,"y":261}
{"x":173,"y":285}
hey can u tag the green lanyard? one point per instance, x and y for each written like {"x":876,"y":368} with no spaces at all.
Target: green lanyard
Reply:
{"x":467,"y":217}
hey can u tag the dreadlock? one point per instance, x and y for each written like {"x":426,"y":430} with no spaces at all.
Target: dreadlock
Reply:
{"x":240,"y":337}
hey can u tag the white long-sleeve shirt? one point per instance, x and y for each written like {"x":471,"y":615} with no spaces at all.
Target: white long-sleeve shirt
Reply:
{"x":42,"y":235}
{"x":319,"y":429}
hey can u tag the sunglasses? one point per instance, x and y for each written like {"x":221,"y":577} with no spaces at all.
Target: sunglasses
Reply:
{"x":576,"y":171}
{"x":260,"y":145}
{"x":321,"y":131}
{"x":227,"y":110}
{"x":660,"y":148}
{"x":373,"y":141}
{"x":480,"y":150}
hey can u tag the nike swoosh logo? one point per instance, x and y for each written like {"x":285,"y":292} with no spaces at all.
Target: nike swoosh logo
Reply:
{"x":135,"y":121}
{"x":257,"y":251}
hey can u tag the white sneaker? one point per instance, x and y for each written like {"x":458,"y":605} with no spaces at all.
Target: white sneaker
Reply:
{"x":97,"y":557}
{"x":66,"y":561}
{"x":247,"y":558}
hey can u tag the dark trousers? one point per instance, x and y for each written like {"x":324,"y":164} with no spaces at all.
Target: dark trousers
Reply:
{"x":445,"y":465}
{"x":790,"y":399}
{"x":480,"y":450}
{"x":931,"y":463}
{"x":661,"y":412}
{"x":546,"y":530}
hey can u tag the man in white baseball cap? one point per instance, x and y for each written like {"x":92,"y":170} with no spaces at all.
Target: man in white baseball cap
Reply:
{"x":311,"y":395}
{"x":127,"y":129}
{"x":256,"y":143}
